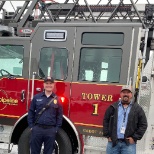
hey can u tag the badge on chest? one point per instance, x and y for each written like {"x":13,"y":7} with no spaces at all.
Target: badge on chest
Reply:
{"x":122,"y":130}
{"x":55,"y":101}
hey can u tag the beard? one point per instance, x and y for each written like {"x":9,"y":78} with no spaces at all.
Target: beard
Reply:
{"x":125,"y":100}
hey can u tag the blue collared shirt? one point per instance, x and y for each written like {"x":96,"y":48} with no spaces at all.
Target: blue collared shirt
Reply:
{"x":51,"y":116}
{"x":120,"y":121}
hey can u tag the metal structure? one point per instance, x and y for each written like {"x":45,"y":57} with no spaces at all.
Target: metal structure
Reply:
{"x":77,"y":44}
{"x":26,"y":17}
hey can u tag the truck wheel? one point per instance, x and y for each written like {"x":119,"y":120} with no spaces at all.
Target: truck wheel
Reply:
{"x":62,"y":144}
{"x":23,"y":145}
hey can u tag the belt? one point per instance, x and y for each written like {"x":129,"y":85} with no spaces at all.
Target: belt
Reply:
{"x":121,"y":140}
{"x":45,"y":126}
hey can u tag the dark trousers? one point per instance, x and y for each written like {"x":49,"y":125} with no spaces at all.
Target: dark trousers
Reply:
{"x":41,"y":135}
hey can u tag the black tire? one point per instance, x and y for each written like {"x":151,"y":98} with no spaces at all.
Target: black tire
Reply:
{"x":64,"y":144}
{"x":23,"y":145}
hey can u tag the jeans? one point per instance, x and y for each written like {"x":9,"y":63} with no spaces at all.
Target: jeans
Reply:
{"x":121,"y":148}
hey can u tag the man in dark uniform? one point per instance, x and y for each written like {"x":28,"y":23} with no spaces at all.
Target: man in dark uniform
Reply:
{"x":48,"y":123}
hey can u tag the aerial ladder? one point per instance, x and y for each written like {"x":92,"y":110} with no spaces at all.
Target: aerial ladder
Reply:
{"x":24,"y":19}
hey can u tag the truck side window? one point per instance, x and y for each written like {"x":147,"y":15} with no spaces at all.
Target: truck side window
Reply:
{"x":103,"y":38}
{"x":100,"y":64}
{"x":11,"y":60}
{"x":53,"y":62}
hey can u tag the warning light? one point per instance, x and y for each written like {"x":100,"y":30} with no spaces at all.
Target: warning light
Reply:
{"x":62,"y":99}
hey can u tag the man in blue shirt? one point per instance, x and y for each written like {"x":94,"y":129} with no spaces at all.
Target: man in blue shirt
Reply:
{"x":124,"y":123}
{"x":46,"y":127}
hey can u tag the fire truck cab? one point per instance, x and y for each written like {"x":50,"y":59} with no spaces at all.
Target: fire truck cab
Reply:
{"x":89,"y":62}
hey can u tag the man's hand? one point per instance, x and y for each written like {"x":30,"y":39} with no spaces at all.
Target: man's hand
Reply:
{"x":109,"y":139}
{"x":131,"y":141}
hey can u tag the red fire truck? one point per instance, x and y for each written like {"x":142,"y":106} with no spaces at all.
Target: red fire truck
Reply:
{"x":91,"y":51}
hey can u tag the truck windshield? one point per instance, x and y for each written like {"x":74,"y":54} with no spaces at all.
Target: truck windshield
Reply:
{"x":11,"y":60}
{"x":53,"y":62}
{"x":100,"y":64}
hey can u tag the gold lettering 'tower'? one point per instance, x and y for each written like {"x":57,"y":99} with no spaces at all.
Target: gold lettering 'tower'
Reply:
{"x":83,"y":95}
{"x":90,"y":96}
{"x":101,"y":97}
{"x":110,"y":98}
{"x":96,"y":96}
{"x":104,"y":97}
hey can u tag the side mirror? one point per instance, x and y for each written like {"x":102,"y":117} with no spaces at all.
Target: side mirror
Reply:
{"x":144,"y":79}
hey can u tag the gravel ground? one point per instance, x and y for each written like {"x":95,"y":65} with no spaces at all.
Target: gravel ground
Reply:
{"x":4,"y":146}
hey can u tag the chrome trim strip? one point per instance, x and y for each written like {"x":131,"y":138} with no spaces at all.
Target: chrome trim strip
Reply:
{"x":130,"y":58}
{"x":33,"y":78}
{"x":28,"y":89}
{"x":75,"y":33}
{"x":76,"y":133}
{"x":138,"y":56}
{"x":16,"y":125}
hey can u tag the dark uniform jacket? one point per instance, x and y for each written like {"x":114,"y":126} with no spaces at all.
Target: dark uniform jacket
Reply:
{"x":52,"y":116}
{"x":136,"y":125}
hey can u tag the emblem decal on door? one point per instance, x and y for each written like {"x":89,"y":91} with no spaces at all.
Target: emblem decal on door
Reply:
{"x":8,"y":101}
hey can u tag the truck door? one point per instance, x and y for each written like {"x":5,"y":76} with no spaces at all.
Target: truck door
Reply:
{"x":52,"y":54}
{"x":14,"y":59}
{"x":104,"y":61}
